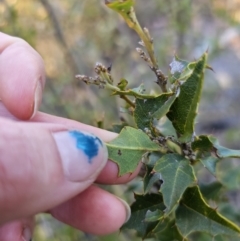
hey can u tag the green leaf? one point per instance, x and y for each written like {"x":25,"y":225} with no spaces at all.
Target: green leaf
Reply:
{"x":165,"y":127}
{"x":210,"y":152}
{"x":120,"y":5}
{"x":202,"y":144}
{"x":210,"y":143}
{"x":164,"y":109}
{"x":146,"y":109}
{"x":125,"y":9}
{"x":212,"y":191}
{"x":194,"y":214}
{"x":128,"y":148}
{"x":210,"y":163}
{"x":153,"y":216}
{"x":166,"y":230}
{"x":150,"y":179}
{"x":230,"y":177}
{"x":223,"y":152}
{"x":183,"y":111}
{"x":118,"y":127}
{"x":139,"y":208}
{"x":180,"y":69}
{"x":177,"y":175}
{"x":122,"y":84}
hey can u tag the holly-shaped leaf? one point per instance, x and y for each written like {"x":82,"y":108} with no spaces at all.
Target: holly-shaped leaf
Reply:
{"x":118,"y":127}
{"x":202,"y":144}
{"x":184,"y":109}
{"x":166,"y":230}
{"x":164,"y":109}
{"x":146,"y":109}
{"x":180,"y":69}
{"x":230,"y":177}
{"x":210,"y":143}
{"x":210,"y":163}
{"x":152,"y":177}
{"x":194,"y":214}
{"x":223,"y":152}
{"x":153,"y":216}
{"x":139,"y":209}
{"x":128,"y":148}
{"x":210,"y":152}
{"x":177,"y":175}
{"x":212,"y":191}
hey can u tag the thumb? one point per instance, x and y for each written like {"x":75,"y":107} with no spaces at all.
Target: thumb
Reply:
{"x":43,"y":165}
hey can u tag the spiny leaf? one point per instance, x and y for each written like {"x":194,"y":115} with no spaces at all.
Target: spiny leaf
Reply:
{"x":223,"y":152}
{"x":230,"y":177}
{"x":150,"y":177}
{"x":210,"y":143}
{"x":202,"y":144}
{"x":139,"y":208}
{"x":146,"y":108}
{"x":180,"y":69}
{"x":177,"y":175}
{"x":166,"y":230}
{"x":164,"y":109}
{"x":153,"y":216}
{"x":128,"y":148}
{"x":194,"y":214}
{"x":210,"y":152}
{"x":183,"y":111}
{"x":210,"y":162}
{"x":118,"y":127}
{"x":212,"y":191}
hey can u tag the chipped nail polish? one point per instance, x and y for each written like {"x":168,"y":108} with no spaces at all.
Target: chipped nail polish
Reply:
{"x":82,"y":154}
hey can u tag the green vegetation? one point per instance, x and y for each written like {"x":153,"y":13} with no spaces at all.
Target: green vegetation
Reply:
{"x":191,"y":182}
{"x":175,"y":208}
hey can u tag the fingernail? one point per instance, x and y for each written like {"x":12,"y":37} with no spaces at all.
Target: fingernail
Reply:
{"x":37,"y":98}
{"x":127,"y":208}
{"x":82,"y":154}
{"x":27,"y":234}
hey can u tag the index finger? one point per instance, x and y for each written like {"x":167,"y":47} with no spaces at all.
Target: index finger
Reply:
{"x":22,"y":77}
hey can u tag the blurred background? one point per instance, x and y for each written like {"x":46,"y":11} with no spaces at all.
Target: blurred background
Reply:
{"x":73,"y":35}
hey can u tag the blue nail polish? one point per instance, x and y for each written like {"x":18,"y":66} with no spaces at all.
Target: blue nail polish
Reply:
{"x":87,"y":143}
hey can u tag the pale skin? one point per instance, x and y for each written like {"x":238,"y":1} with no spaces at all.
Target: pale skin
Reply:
{"x":38,"y":184}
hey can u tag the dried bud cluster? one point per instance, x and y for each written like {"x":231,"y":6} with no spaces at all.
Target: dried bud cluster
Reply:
{"x":103,"y":76}
{"x":91,"y":80}
{"x":100,"y":68}
{"x":144,"y":56}
{"x":161,"y":78}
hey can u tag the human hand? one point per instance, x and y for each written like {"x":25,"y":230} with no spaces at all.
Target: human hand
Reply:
{"x":45,"y":161}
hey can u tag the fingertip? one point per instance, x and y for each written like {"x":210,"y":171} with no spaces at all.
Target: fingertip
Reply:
{"x":20,"y":230}
{"x":94,"y":211}
{"x":21,"y":74}
{"x":109,"y":174}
